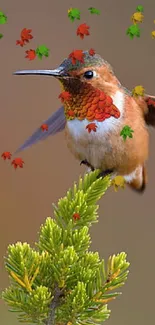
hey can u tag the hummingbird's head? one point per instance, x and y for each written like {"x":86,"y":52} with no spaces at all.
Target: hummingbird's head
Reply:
{"x":84,"y":79}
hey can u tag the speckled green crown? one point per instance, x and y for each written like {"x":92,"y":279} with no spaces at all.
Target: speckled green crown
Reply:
{"x":89,"y":60}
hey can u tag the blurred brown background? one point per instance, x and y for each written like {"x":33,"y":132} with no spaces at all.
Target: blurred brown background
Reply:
{"x":127,"y":221}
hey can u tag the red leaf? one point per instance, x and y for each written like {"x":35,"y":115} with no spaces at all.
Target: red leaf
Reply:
{"x":44,"y":127}
{"x":76,"y":55}
{"x":26,"y":34}
{"x":6,"y":155}
{"x":76,"y":216}
{"x":65,"y":96}
{"x":21,"y":42}
{"x":25,"y":37}
{"x":83,"y":30}
{"x":71,"y":113}
{"x":150,"y":102}
{"x":17,"y":162}
{"x":91,"y":52}
{"x":31,"y":54}
{"x":91,"y":127}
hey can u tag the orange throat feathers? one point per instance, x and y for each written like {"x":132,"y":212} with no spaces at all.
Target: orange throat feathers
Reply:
{"x":87,"y":102}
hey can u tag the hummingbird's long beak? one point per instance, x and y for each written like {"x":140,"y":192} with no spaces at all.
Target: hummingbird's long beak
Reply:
{"x":58,"y":73}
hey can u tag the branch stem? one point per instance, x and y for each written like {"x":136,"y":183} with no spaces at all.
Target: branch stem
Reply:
{"x":54,"y":304}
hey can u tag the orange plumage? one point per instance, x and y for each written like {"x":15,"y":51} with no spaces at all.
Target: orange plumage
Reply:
{"x":97,"y":97}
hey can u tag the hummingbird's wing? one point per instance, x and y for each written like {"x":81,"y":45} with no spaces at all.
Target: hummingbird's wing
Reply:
{"x":150,"y":115}
{"x":56,"y":123}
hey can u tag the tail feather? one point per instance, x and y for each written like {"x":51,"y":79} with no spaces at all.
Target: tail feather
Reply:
{"x":56,"y":123}
{"x":140,"y":182}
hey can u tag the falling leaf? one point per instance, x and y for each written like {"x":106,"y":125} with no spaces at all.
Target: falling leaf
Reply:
{"x":91,"y":52}
{"x":17,"y":162}
{"x":25,"y":36}
{"x":65,"y":96}
{"x":83,"y":30}
{"x":138,"y":91}
{"x":20,"y":42}
{"x":153,"y":34}
{"x":150,"y":102}
{"x":137,"y":17}
{"x":6,"y":155}
{"x":70,"y":113}
{"x":3,"y":18}
{"x":76,"y":216}
{"x":133,"y":30}
{"x":76,"y":55}
{"x":140,"y":8}
{"x":74,"y":13}
{"x":94,"y":11}
{"x":126,"y":132}
{"x":91,"y":127}
{"x":41,"y":51}
{"x":31,"y":54}
{"x":44,"y":127}
{"x":117,"y":182}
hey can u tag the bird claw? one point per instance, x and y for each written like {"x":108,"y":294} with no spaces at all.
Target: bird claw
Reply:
{"x":86,"y":163}
{"x":105,"y":173}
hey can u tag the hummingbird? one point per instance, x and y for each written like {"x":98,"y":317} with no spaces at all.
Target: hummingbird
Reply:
{"x":98,"y":109}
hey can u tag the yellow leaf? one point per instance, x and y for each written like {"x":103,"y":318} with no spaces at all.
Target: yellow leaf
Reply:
{"x":69,"y":10}
{"x":153,"y":34}
{"x":138,"y":91}
{"x":117,"y":182}
{"x":137,"y":17}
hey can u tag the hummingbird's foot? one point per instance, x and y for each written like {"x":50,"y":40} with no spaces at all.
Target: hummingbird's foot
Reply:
{"x":85,"y":162}
{"x":105,"y":173}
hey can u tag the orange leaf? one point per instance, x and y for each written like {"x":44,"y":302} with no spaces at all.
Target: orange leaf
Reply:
{"x":71,"y":113}
{"x":83,"y":30}
{"x":65,"y":96}
{"x":91,"y":127}
{"x":20,"y":42}
{"x":6,"y":155}
{"x":26,"y":34}
{"x":76,"y":216}
{"x":31,"y":54}
{"x":17,"y":162}
{"x":76,"y":55}
{"x":44,"y":127}
{"x":91,"y":52}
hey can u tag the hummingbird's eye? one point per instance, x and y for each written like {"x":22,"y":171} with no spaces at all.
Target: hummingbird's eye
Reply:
{"x":89,"y":74}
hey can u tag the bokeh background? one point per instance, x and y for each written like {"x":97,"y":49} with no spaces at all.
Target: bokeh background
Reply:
{"x":127,"y":220}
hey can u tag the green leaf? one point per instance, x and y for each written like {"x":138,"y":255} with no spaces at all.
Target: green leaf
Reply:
{"x":133,"y":30}
{"x":3,"y":18}
{"x":1,"y":36}
{"x":126,"y":132}
{"x":41,"y":51}
{"x":94,"y":11}
{"x":140,"y":8}
{"x":74,"y":13}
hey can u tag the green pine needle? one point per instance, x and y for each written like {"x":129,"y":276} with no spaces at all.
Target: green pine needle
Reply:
{"x":62,"y":263}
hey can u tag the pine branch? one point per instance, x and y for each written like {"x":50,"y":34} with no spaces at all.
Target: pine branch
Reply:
{"x":60,"y":281}
{"x":53,"y":305}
